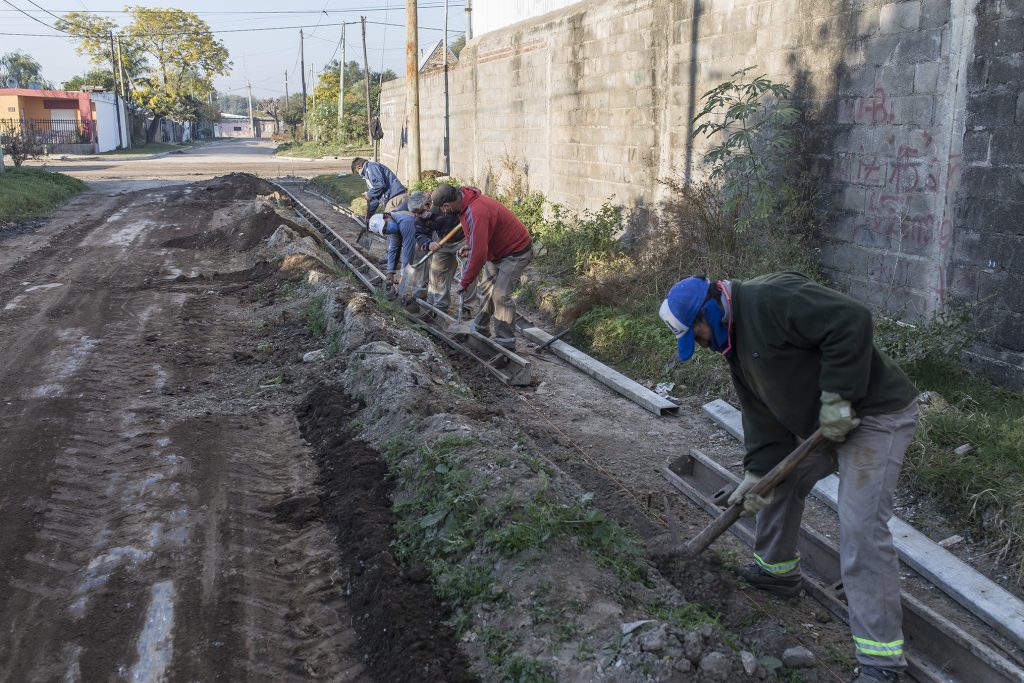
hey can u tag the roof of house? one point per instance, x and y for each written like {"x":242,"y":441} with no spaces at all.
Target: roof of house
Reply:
{"x":435,"y":53}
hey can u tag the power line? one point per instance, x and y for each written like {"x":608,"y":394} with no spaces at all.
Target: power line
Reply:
{"x":38,"y":21}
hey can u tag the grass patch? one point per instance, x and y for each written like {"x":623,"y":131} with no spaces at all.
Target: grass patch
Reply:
{"x":451,"y":522}
{"x":343,"y":189}
{"x":150,"y":148}
{"x":983,"y":489}
{"x":26,"y":192}
{"x":315,"y":150}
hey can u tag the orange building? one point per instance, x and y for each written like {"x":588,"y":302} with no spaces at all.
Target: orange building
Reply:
{"x":59,"y":117}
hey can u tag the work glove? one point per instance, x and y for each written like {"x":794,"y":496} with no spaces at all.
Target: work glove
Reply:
{"x":837,"y":418}
{"x":752,"y":504}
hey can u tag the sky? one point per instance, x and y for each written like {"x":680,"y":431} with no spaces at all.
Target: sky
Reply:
{"x":262,"y":56}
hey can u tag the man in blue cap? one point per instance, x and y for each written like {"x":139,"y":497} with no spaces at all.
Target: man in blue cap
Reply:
{"x":801,"y":356}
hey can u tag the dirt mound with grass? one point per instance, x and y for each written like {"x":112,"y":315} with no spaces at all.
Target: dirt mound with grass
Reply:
{"x":233,"y":186}
{"x":241,"y":236}
{"x":398,"y":618}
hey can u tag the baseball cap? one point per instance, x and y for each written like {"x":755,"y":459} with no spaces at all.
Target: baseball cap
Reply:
{"x":377,"y":224}
{"x":680,"y":308}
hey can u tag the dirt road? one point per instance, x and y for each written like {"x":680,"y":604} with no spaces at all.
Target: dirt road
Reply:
{"x":221,"y":157}
{"x":139,"y":464}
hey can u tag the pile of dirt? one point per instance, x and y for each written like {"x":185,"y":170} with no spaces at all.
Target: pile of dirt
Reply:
{"x":243,"y":236}
{"x":232,"y":186}
{"x":399,"y":620}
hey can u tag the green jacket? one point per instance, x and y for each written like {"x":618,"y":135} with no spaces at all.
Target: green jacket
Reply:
{"x":794,"y":338}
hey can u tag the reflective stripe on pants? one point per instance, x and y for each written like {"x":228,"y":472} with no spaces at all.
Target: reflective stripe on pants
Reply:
{"x":869,"y":463}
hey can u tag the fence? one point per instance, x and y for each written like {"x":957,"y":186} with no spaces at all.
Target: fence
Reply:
{"x":46,"y":131}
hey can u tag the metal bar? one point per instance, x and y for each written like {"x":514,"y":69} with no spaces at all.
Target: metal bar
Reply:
{"x":516,"y":371}
{"x":942,"y":652}
{"x":613,"y":379}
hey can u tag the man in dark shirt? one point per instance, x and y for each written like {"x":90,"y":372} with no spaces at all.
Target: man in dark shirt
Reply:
{"x":802,"y":356}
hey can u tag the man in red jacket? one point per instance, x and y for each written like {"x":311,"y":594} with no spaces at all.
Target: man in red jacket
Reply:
{"x":499,"y":250}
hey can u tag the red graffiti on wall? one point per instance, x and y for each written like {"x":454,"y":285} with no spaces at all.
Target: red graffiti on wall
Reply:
{"x":866,"y":109}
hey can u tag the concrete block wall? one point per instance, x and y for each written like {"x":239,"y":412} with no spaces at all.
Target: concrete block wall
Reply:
{"x":987,"y":263}
{"x":916,"y":105}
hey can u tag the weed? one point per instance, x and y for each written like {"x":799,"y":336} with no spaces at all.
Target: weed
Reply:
{"x":333,"y":347}
{"x":315,"y":315}
{"x":279,"y":379}
{"x":938,"y":339}
{"x":288,"y":291}
{"x":259,"y":290}
{"x":983,"y":488}
{"x":264,"y":347}
{"x":753,"y":123}
{"x":521,"y":669}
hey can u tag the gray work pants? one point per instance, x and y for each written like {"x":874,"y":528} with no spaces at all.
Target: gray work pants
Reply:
{"x":443,"y":266}
{"x":497,"y":280}
{"x":869,"y":463}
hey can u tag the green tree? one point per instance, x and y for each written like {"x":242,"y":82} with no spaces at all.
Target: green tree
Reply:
{"x":98,"y":76}
{"x":22,"y":67}
{"x":175,"y":51}
{"x":95,"y":35}
{"x":456,"y":45}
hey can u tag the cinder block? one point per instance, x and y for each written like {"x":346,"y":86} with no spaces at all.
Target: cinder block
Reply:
{"x":934,"y":14}
{"x":1007,"y":145}
{"x":915,"y":110}
{"x":991,"y":109}
{"x":926,"y":77}
{"x":866,"y":21}
{"x":899,"y":16}
{"x":881,"y":49}
{"x":977,"y":144}
{"x":896,"y":79}
{"x":854,"y":198}
{"x":1019,"y":118}
{"x":921,"y":46}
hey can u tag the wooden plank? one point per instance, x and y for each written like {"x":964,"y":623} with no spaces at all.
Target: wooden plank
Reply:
{"x":612,"y":379}
{"x":981,"y":596}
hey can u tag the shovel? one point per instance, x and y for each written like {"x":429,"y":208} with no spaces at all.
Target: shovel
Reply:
{"x":364,"y":240}
{"x":775,"y":476}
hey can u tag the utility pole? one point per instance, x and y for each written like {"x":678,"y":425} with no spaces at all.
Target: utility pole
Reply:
{"x":469,"y":20}
{"x":369,"y":113}
{"x":117,"y":102}
{"x":341,"y":80}
{"x":412,"y":84}
{"x":286,"y":98}
{"x":447,"y":141}
{"x":252,"y":121}
{"x":124,"y":95}
{"x":302,"y":71}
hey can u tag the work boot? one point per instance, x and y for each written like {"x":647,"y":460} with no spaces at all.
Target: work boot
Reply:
{"x":876,"y":674}
{"x":786,"y":586}
{"x":507,"y":342}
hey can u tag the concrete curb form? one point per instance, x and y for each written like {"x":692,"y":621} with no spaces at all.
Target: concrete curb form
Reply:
{"x":128,"y":157}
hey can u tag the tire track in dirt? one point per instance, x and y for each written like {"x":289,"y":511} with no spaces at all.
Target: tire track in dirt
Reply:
{"x":141,"y":539}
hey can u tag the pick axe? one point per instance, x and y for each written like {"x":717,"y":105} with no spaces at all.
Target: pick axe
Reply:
{"x":775,"y":476}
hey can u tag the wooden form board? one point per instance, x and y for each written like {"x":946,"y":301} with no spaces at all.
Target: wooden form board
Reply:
{"x":982,"y":597}
{"x":616,"y":381}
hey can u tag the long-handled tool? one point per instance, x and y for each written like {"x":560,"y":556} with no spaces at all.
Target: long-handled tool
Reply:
{"x":363,"y":240}
{"x":775,"y":476}
{"x":451,"y":233}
